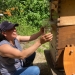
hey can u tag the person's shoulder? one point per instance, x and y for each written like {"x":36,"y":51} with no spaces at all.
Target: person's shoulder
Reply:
{"x":4,"y":42}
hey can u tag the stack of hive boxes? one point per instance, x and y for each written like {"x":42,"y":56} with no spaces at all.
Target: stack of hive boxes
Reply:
{"x":63,"y":24}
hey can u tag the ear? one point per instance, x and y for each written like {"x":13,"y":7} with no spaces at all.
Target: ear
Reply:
{"x":4,"y":33}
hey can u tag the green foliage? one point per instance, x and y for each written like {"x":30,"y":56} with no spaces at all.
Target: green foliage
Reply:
{"x":28,"y":13}
{"x":23,"y":28}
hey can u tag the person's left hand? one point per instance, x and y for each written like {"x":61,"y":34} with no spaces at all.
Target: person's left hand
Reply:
{"x":42,"y":30}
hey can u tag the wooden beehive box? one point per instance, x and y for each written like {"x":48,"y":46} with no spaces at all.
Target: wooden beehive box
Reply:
{"x":63,"y":28}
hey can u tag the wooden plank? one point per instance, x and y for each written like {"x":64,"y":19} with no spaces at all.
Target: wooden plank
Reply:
{"x":69,"y":60}
{"x":66,"y":35}
{"x":67,"y":13}
{"x":66,"y":20}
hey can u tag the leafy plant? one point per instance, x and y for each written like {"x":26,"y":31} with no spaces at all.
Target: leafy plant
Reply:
{"x":28,"y":13}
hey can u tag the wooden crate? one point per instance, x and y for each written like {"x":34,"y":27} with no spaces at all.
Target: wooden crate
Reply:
{"x":62,"y":36}
{"x":63,"y":29}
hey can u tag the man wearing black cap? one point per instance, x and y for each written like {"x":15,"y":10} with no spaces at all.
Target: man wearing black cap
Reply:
{"x":11,"y":53}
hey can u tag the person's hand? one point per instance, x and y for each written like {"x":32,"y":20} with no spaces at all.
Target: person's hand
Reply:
{"x":46,"y":38}
{"x":42,"y":30}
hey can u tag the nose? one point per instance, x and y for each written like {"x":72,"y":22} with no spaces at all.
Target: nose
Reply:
{"x":14,"y":29}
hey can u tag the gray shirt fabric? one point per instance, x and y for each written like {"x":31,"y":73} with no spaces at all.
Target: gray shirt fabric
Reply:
{"x":9,"y":65}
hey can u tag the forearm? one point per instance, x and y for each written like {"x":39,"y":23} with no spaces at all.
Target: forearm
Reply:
{"x":35,"y":36}
{"x":28,"y":38}
{"x":27,"y":52}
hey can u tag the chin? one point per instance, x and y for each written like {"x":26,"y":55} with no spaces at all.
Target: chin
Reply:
{"x":14,"y":37}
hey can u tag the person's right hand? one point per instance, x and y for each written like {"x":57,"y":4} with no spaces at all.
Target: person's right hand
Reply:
{"x":46,"y":38}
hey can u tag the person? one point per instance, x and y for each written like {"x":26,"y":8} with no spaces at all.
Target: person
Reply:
{"x":11,"y":53}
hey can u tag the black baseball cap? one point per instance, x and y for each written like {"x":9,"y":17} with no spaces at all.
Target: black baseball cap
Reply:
{"x":4,"y":26}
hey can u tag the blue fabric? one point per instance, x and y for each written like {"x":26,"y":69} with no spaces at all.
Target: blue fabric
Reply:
{"x":32,"y":70}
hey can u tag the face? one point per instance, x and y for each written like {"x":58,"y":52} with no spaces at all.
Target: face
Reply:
{"x":10,"y":34}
